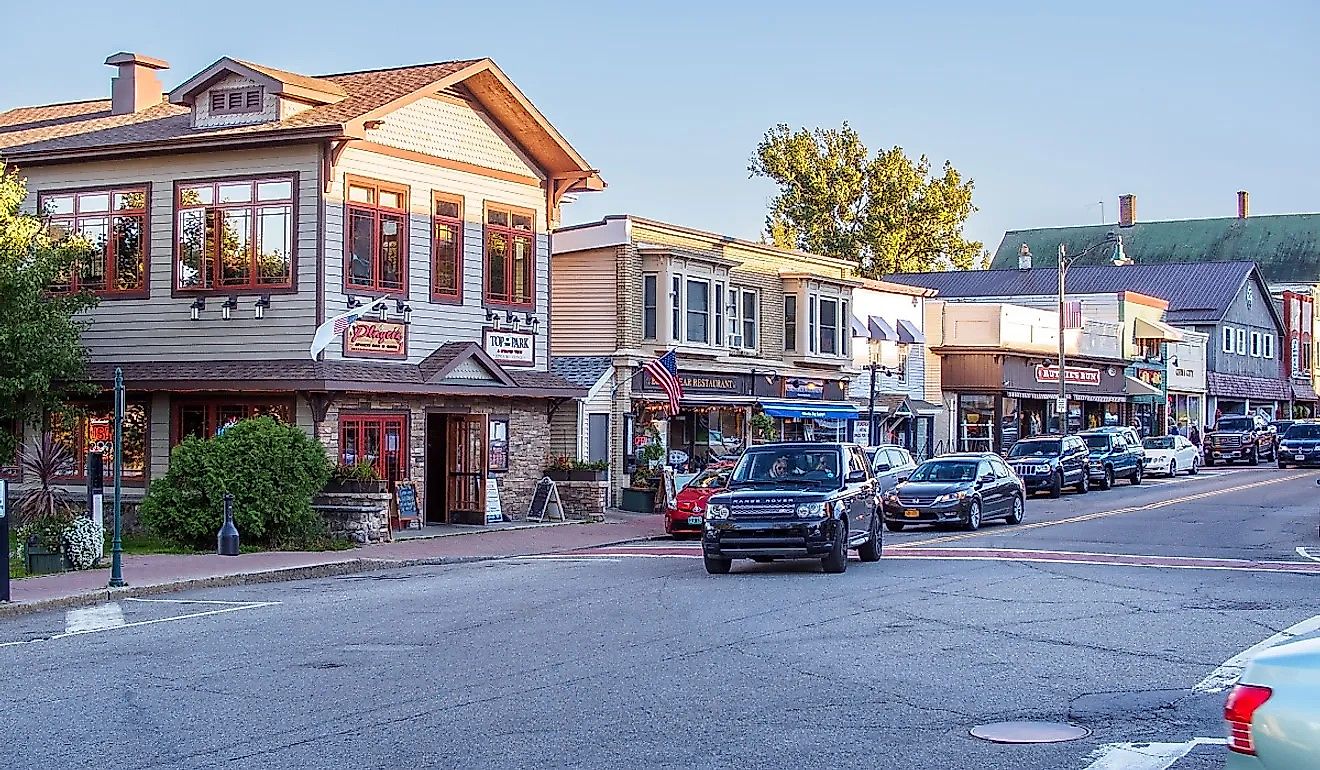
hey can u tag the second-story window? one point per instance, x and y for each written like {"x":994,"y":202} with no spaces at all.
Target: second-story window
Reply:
{"x":676,"y":307}
{"x":447,"y":249}
{"x":790,"y":322}
{"x":1241,"y":342}
{"x":750,"y":318}
{"x":377,"y":231}
{"x":1148,"y":348}
{"x":510,"y":256}
{"x":698,"y":312}
{"x":650,"y":312}
{"x":235,"y":235}
{"x":1267,"y":349}
{"x":1228,"y":339}
{"x":827,"y":309}
{"x":115,"y":222}
{"x":1255,"y":344}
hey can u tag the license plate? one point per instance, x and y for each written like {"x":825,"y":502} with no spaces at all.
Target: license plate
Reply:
{"x":694,"y":520}
{"x":1301,"y":457}
{"x":911,"y":514}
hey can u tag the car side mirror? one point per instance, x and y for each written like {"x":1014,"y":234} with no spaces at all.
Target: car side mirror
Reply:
{"x":987,"y":478}
{"x":905,"y":476}
{"x":883,"y":468}
{"x":856,"y":477}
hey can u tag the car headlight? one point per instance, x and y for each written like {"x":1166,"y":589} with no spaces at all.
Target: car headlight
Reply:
{"x":891,"y":496}
{"x":950,"y":497}
{"x":717,"y":511}
{"x":810,"y":510}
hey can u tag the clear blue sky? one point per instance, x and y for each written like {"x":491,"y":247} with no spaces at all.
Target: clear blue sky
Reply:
{"x":1050,"y":112}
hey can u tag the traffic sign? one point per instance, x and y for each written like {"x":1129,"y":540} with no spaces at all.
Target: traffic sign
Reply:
{"x":1060,"y":404}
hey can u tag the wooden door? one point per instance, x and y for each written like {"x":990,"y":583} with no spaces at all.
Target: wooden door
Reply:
{"x":466,"y":483}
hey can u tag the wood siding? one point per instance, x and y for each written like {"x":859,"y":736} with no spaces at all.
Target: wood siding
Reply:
{"x":160,"y":327}
{"x":448,"y":128}
{"x":583,"y":295}
{"x":973,"y":371}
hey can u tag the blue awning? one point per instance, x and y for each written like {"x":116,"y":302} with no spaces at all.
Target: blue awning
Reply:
{"x":804,"y":408}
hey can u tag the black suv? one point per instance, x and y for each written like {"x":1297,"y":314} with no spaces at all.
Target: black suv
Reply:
{"x":795,"y":501}
{"x":1300,"y":445}
{"x":1050,"y":463}
{"x":1245,"y":438}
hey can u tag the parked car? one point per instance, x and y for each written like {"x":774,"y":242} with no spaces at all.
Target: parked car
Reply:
{"x":1167,"y":455}
{"x":1050,"y":463}
{"x":1130,"y":434}
{"x":795,"y":501}
{"x":965,"y":489}
{"x":688,"y":516}
{"x":1273,"y":712}
{"x":890,"y":464}
{"x":1300,"y":445}
{"x":1240,"y":438}
{"x":1281,"y":427}
{"x":1112,"y":458}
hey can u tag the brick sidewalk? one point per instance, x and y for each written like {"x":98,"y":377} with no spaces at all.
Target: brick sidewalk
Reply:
{"x":169,"y":572}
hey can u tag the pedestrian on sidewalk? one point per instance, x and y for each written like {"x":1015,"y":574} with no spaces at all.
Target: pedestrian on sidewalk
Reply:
{"x":1194,"y":435}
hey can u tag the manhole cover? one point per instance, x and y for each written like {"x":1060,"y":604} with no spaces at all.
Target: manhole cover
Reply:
{"x":1029,"y":732}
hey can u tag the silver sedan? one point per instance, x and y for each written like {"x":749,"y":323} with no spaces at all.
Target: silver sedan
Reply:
{"x":1273,"y":713}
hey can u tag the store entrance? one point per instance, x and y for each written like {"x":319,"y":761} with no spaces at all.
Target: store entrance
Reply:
{"x":437,"y":460}
{"x":456,"y":469}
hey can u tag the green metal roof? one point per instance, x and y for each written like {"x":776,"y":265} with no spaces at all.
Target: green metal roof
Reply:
{"x":1286,"y":246}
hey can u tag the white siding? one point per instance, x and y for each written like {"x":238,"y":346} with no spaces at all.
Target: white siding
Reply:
{"x":161,"y":327}
{"x":202,"y":117}
{"x":448,"y":129}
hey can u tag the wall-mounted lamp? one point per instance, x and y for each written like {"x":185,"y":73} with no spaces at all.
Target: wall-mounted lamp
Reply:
{"x":380,"y":312}
{"x":531,"y":320}
{"x":403,"y":307}
{"x":1173,"y":360}
{"x":510,"y":318}
{"x":353,"y":302}
{"x":262,"y":304}
{"x":227,"y":309}
{"x":491,"y":316}
{"x":197,"y":306}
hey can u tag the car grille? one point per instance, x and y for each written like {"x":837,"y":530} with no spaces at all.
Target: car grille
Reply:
{"x":1228,"y":441}
{"x":764,"y":509}
{"x":916,"y":500}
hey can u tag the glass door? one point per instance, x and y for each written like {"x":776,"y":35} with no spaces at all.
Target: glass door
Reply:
{"x":466,"y":485}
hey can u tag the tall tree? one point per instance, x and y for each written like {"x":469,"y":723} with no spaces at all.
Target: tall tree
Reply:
{"x":885,"y":213}
{"x":41,"y":350}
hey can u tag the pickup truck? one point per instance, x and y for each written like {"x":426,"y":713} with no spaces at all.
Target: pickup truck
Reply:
{"x":1241,"y":438}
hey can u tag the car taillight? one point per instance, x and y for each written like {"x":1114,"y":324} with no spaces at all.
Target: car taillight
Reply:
{"x":1242,"y":703}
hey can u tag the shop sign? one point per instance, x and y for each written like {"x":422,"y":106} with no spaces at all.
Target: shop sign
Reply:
{"x":510,"y":348}
{"x":699,"y":382}
{"x":799,"y":388}
{"x":1152,"y":377}
{"x":376,"y":339}
{"x":1077,"y":375}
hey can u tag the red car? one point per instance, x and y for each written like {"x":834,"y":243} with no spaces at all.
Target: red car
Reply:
{"x":689,"y":515}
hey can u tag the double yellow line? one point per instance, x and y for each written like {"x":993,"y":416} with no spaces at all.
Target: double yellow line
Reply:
{"x":1099,"y":515}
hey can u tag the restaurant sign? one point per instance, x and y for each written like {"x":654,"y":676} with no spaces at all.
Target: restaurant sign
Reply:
{"x":701,"y":382}
{"x":799,"y":388}
{"x":1077,"y":375}
{"x":510,"y":348}
{"x":376,"y":339}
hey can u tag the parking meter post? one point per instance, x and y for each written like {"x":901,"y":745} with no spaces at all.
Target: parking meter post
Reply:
{"x":4,"y":540}
{"x":226,"y":541}
{"x":96,"y":489}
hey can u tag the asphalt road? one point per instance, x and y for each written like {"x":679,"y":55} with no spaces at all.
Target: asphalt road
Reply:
{"x":634,"y":657}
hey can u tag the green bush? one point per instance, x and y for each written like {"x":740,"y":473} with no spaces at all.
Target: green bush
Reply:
{"x":271,"y":469}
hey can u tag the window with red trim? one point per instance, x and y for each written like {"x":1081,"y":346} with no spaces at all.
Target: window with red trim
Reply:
{"x":510,"y":256}
{"x":92,"y":429}
{"x":379,"y":439}
{"x":447,"y":248}
{"x":376,"y":228}
{"x":234,"y":235}
{"x":115,"y":221}
{"x":204,"y":418}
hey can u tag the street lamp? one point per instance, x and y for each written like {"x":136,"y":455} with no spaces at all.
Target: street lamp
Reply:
{"x":875,"y":347}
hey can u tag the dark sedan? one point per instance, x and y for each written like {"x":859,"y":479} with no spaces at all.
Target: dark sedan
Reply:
{"x":1300,"y":445}
{"x":963,"y":489}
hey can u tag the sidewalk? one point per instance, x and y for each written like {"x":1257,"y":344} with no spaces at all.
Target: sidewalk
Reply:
{"x":164,"y":573}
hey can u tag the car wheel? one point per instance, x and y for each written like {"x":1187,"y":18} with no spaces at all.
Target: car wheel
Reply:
{"x":1173,"y":468}
{"x":1056,"y":486}
{"x":972,"y":519}
{"x":1209,"y":462}
{"x":1283,"y":466}
{"x":1084,"y":485}
{"x":1107,"y":482}
{"x":1196,"y":467}
{"x":1015,"y":517}
{"x":1136,"y":477}
{"x":837,"y":561}
{"x":870,"y":550}
{"x":716,"y":565}
{"x":894,"y":526}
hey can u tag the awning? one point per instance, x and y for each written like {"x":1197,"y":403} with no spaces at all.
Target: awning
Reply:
{"x":1149,"y":329}
{"x":807,"y":408}
{"x":898,"y":405}
{"x":909,"y":334}
{"x":1303,"y":392}
{"x":880,"y":329}
{"x":1136,"y":387}
{"x":858,"y":328}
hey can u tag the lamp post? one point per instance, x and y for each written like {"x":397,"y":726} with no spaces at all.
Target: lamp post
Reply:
{"x":117,"y":544}
{"x":874,"y":347}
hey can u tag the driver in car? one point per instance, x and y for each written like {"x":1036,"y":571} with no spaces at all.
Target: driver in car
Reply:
{"x":779,"y":468}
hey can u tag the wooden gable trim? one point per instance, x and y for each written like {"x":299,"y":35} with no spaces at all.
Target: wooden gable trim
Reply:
{"x":453,"y":165}
{"x":470,"y":352}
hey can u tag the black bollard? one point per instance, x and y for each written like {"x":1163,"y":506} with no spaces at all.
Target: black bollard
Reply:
{"x":227,"y":540}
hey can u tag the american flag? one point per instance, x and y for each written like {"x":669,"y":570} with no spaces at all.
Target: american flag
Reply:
{"x":343,"y":322}
{"x":664,"y":370}
{"x":1072,"y":314}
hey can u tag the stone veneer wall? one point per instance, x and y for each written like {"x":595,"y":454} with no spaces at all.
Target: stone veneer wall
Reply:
{"x":363,"y":517}
{"x":583,"y":499}
{"x":529,"y":438}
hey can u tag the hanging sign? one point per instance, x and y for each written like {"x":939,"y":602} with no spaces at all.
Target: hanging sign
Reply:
{"x":376,"y":339}
{"x":510,"y":348}
{"x":795,"y":387}
{"x":1077,"y":375}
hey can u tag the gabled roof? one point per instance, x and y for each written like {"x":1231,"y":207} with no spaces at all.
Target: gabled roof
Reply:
{"x":448,"y":357}
{"x":1196,"y":292}
{"x":584,"y":371}
{"x":85,"y":130}
{"x":1286,"y":246}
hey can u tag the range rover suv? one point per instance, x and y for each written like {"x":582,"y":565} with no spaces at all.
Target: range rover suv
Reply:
{"x":795,"y":501}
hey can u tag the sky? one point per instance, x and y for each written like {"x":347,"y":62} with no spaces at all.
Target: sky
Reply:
{"x":1051,"y":108}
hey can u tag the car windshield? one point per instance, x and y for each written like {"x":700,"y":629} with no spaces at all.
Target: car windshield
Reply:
{"x":1038,"y":448}
{"x":945,"y":470}
{"x":1303,"y":432}
{"x":1236,"y":423}
{"x":1097,"y":442}
{"x":712,"y":478}
{"x":1159,"y":442}
{"x":794,"y":466}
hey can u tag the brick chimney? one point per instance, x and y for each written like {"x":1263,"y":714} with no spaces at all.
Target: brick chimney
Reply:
{"x":136,"y":87}
{"x":1243,"y":204}
{"x":1127,"y":210}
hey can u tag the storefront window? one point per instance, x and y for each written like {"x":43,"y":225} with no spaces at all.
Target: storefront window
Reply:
{"x":92,"y":430}
{"x":207,"y":417}
{"x":976,"y":422}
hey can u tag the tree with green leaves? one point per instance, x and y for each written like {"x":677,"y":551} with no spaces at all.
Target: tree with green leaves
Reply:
{"x":886,"y":213}
{"x":41,"y":351}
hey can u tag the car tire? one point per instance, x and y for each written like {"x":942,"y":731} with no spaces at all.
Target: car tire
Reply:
{"x":1107,"y":481}
{"x":1137,"y":476}
{"x":1196,"y":467}
{"x":1173,"y":468}
{"x":716,"y":565}
{"x":1209,"y":462}
{"x":972,"y":519}
{"x":1283,"y":466}
{"x":894,"y":526}
{"x":837,"y":562}
{"x":1056,"y":486}
{"x":1018,"y":511}
{"x":872,"y":548}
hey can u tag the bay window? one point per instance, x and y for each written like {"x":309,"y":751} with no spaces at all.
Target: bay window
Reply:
{"x":720,"y":339}
{"x":447,"y":248}
{"x":827,"y":309}
{"x":698,"y":311}
{"x":750,"y":319}
{"x":115,"y":222}
{"x":828,"y":328}
{"x":234,"y":235}
{"x":376,"y":232}
{"x":676,"y":306}
{"x":650,"y":313}
{"x":510,"y":256}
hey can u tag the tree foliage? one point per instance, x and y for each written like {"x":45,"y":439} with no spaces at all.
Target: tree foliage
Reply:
{"x":41,"y":352}
{"x":885,"y":213}
{"x":270,"y":468}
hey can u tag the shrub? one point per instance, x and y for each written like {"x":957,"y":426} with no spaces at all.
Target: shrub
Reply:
{"x":271,"y":469}
{"x":363,"y":471}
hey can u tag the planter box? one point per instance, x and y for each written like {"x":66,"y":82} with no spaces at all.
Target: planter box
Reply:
{"x":587,"y":475}
{"x":638,"y":500}
{"x":353,"y":487}
{"x":39,"y":561}
{"x":555,"y":474}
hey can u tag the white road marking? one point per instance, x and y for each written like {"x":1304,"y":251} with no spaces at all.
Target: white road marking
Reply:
{"x":140,"y":623}
{"x":1305,"y":553}
{"x":96,"y":618}
{"x":1145,"y":756}
{"x":1227,"y":674}
{"x":195,"y":601}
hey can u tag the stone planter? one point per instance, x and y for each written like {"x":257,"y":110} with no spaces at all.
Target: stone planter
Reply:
{"x":39,"y":561}
{"x":586,"y":475}
{"x":638,"y":500}
{"x":353,"y":487}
